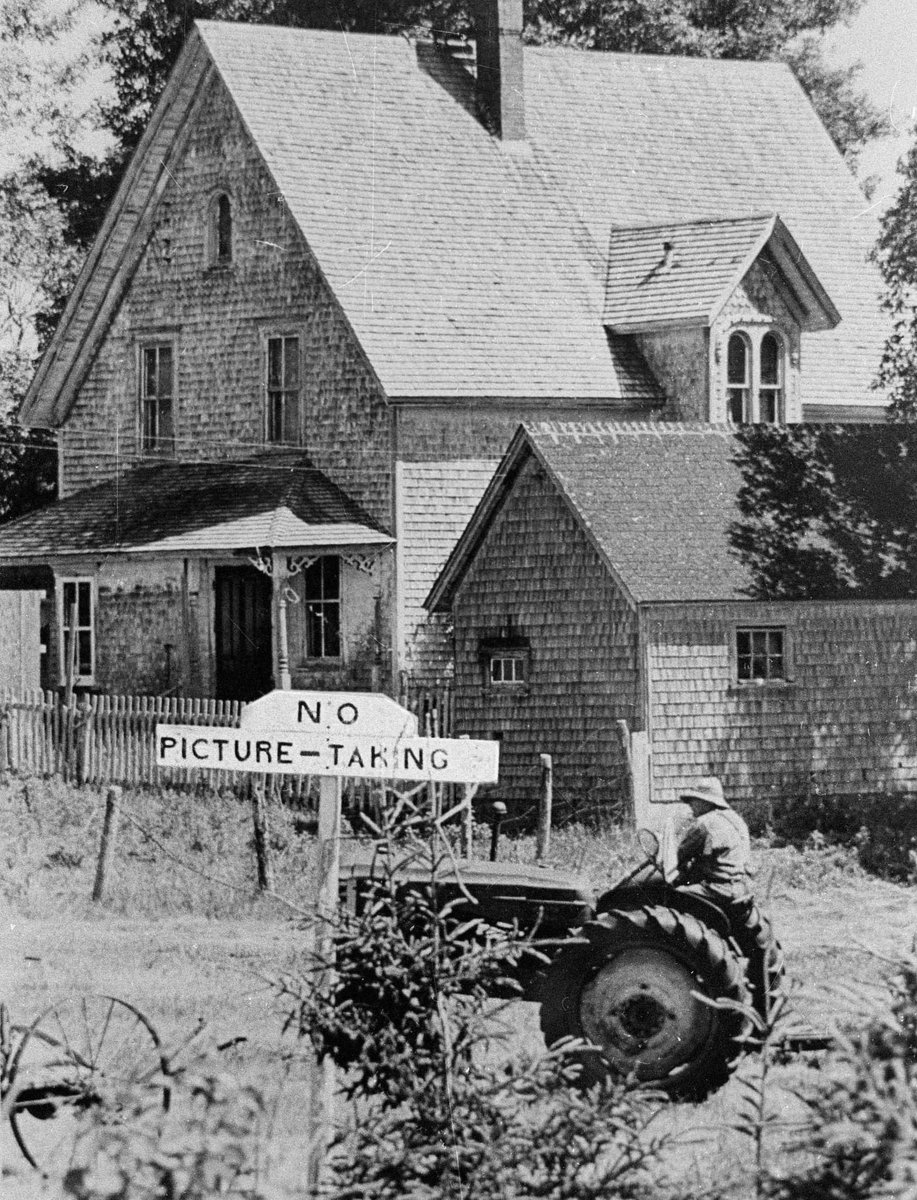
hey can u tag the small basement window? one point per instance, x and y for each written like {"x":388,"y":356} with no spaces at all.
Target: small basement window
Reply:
{"x":760,"y":654}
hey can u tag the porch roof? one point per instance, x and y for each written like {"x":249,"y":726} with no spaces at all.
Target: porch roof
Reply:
{"x":273,"y":501}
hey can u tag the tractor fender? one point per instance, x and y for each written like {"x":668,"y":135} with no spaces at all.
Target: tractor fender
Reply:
{"x":664,"y":894}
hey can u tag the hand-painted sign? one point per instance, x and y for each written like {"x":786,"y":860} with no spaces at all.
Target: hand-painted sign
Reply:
{"x":438,"y":760}
{"x":362,"y":713}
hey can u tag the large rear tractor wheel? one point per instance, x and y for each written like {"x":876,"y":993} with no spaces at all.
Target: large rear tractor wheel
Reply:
{"x":755,"y":938}
{"x":641,"y":991}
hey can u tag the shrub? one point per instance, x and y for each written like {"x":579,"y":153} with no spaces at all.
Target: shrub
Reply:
{"x":880,"y":829}
{"x":206,"y":1145}
{"x":406,"y":1013}
{"x":864,"y":1113}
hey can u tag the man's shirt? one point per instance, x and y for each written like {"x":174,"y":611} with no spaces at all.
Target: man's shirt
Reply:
{"x":715,"y":848}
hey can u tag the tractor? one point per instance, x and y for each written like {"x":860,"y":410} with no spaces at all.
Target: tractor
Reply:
{"x":654,"y":982}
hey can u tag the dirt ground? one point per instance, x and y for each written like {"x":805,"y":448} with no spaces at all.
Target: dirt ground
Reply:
{"x":841,"y":931}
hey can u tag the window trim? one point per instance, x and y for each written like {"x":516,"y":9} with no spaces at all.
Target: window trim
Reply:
{"x":507,"y":656}
{"x":761,"y":627}
{"x":753,"y":338}
{"x":158,"y":447}
{"x":80,"y":680}
{"x":307,"y":656}
{"x":514,"y":647}
{"x":284,"y":335}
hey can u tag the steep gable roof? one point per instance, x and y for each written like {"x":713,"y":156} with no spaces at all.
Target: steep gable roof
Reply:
{"x":272,"y":501}
{"x":656,"y":500}
{"x":467,"y":266}
{"x":684,"y":273}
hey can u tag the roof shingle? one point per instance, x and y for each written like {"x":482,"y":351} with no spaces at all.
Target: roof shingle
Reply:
{"x":277,"y":500}
{"x":470,"y":266}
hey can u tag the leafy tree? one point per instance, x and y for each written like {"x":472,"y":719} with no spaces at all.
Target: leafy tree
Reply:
{"x":896,"y":254}
{"x":828,"y":512}
{"x":28,"y":468}
{"x":37,"y":82}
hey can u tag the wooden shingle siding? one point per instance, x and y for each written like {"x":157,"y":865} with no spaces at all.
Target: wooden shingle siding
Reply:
{"x":219,"y":316}
{"x":842,"y":724}
{"x":538,"y":573}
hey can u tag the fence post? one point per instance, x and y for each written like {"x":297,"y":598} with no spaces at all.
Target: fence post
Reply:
{"x":327,"y":884}
{"x":84,"y":726}
{"x":545,"y":804}
{"x":630,"y":810}
{"x":71,"y":663}
{"x":109,"y":838}
{"x":262,"y":846}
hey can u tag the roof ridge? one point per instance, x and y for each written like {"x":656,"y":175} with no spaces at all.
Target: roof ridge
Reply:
{"x":701,"y":62}
{"x":692,"y":222}
{"x":614,"y":431}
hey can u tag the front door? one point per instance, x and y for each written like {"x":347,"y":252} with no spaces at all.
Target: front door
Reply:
{"x":243,"y":633}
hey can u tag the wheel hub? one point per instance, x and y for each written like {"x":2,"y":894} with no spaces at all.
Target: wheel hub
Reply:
{"x":640,"y":1011}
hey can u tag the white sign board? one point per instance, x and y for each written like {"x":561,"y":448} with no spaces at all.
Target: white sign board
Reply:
{"x":371,"y":713}
{"x":436,"y":760}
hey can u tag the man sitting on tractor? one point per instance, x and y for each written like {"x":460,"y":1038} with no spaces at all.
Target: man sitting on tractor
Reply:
{"x":714,"y":850}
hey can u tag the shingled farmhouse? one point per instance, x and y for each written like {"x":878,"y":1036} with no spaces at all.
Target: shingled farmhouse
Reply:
{"x":597,"y":582}
{"x":338,"y":273}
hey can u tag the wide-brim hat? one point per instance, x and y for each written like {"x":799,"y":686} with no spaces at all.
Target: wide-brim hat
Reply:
{"x":709,"y":789}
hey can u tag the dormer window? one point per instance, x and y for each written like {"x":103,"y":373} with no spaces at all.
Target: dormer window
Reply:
{"x":221,"y":233}
{"x":770,"y":388}
{"x":738,"y":380}
{"x":754,"y":379}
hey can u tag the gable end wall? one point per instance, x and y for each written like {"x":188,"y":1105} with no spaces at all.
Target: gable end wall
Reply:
{"x":536,"y":571}
{"x":220,"y":317}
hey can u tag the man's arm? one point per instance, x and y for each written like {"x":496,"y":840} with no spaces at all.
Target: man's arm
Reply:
{"x":691,"y":845}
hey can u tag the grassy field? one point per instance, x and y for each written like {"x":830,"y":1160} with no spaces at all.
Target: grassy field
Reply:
{"x":183,"y":935}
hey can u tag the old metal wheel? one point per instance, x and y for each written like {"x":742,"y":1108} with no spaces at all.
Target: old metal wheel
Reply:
{"x":83,"y":1054}
{"x":641,"y":991}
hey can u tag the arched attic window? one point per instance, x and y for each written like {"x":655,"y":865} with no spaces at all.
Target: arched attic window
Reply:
{"x":222,"y":229}
{"x":770,"y":388}
{"x":738,"y":380}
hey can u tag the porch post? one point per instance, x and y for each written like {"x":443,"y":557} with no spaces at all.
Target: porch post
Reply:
{"x":280,"y":582}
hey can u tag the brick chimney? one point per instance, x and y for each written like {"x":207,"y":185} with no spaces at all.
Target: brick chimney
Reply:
{"x":500,"y":85}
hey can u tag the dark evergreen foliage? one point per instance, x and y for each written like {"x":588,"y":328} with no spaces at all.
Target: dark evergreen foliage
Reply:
{"x":896,"y":255}
{"x":828,"y":512}
{"x":28,"y":469}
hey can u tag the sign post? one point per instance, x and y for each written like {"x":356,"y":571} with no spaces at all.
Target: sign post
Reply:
{"x":333,"y":735}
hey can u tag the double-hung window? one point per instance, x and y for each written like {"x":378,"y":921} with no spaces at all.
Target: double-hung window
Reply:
{"x":322,"y":603}
{"x":738,"y":380}
{"x":77,"y":632}
{"x":282,"y":423}
{"x":157,"y":398}
{"x":754,"y":379}
{"x":770,"y":383}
